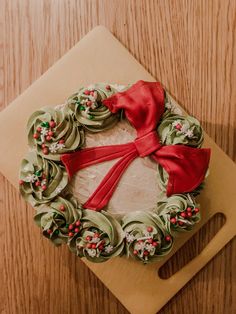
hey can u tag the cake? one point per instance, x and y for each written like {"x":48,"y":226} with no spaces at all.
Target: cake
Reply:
{"x":115,"y":171}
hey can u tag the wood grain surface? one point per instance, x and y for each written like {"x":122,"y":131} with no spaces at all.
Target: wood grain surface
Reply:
{"x":190,"y":47}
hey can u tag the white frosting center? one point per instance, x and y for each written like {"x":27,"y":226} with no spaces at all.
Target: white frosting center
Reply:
{"x":137,"y":189}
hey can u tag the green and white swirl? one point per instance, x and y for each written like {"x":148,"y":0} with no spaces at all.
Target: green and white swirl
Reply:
{"x":180,"y":211}
{"x":147,"y":236}
{"x":100,"y":239}
{"x":53,"y":132}
{"x":58,"y":219}
{"x":41,"y":180}
{"x":176,"y":129}
{"x":88,"y":109}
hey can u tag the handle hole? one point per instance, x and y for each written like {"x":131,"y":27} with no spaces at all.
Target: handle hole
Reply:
{"x":192,"y":247}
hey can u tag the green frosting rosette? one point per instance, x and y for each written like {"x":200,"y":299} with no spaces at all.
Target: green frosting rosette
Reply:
{"x":176,"y":129}
{"x":88,"y":109}
{"x":53,"y":132}
{"x":147,"y":236}
{"x":100,"y":238}
{"x":41,"y":179}
{"x":179,"y":211}
{"x":59,"y":219}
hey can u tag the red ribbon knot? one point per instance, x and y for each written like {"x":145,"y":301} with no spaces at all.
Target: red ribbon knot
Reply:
{"x":143,"y":105}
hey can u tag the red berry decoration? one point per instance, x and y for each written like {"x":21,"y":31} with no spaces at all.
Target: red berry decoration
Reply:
{"x":108,"y":87}
{"x":168,"y":238}
{"x":71,"y":227}
{"x":36,"y":136}
{"x":37,"y":183}
{"x":180,"y":223}
{"x":189,"y":209}
{"x":173,"y":220}
{"x":101,"y":247}
{"x":39,"y":129}
{"x":62,"y":208}
{"x":150,"y":240}
{"x":196,"y":210}
{"x":50,"y":133}
{"x":154,"y":243}
{"x":89,"y":245}
{"x":178,"y":126}
{"x":52,"y":124}
{"x":96,"y":235}
{"x":21,"y":182}
{"x":145,"y":253}
{"x":94,"y":245}
{"x":45,"y":151}
{"x":183,"y":214}
{"x":86,"y":92}
{"x":71,"y":234}
{"x":49,"y":231}
{"x":78,"y":223}
{"x":149,"y":229}
{"x":61,"y":141}
{"x":76,"y":230}
{"x":44,"y":187}
{"x":88,"y":238}
{"x":135,"y":252}
{"x":48,"y":138}
{"x":43,"y":145}
{"x":89,"y":103}
{"x":189,"y":214}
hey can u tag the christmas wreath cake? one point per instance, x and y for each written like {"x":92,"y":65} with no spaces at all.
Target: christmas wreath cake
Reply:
{"x":114,"y":171}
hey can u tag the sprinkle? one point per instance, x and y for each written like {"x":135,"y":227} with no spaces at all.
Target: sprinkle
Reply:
{"x":31,"y":178}
{"x":189,"y":134}
{"x":109,"y":248}
{"x":129,"y":237}
{"x":53,"y":148}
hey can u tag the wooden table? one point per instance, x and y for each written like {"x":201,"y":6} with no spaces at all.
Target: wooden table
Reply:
{"x":190,"y":47}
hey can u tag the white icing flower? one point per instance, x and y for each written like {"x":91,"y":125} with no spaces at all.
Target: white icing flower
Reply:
{"x":31,"y":178}
{"x":44,"y":131}
{"x":140,"y":246}
{"x":109,"y":248}
{"x":149,"y":247}
{"x":129,"y":237}
{"x":189,"y":133}
{"x":60,"y":145}
{"x":53,"y":147}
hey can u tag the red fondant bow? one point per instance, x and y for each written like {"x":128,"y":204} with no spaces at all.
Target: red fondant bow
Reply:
{"x":143,"y":105}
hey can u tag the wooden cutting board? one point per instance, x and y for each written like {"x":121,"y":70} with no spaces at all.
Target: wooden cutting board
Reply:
{"x":138,"y":287}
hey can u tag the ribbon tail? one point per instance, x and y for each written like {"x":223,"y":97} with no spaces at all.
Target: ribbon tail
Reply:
{"x":185,"y":165}
{"x":73,"y":162}
{"x":104,"y":191}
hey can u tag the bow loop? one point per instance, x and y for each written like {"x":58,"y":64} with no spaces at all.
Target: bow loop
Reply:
{"x":143,"y":105}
